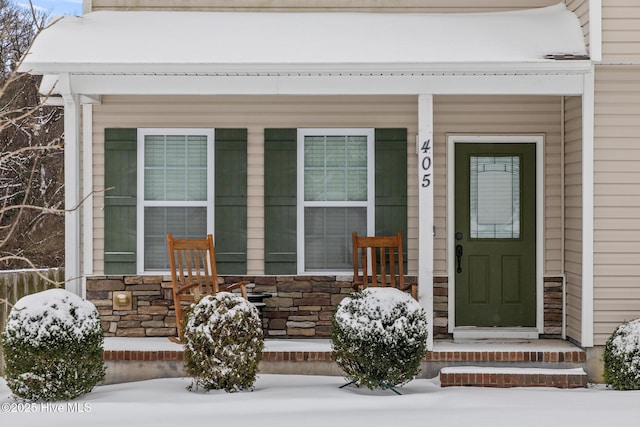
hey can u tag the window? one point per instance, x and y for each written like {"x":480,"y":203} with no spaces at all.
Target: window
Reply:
{"x":335,"y":195}
{"x":494,"y":188}
{"x":175,"y":189}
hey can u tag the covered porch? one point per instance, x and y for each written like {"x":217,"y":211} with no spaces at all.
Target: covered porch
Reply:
{"x":99,"y":64}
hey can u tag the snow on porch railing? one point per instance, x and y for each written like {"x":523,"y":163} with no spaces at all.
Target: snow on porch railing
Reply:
{"x":14,"y":284}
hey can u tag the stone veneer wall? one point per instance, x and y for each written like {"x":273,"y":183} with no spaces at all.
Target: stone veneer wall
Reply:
{"x":301,"y":306}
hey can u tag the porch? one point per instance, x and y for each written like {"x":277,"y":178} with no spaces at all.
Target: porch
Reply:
{"x":487,"y":363}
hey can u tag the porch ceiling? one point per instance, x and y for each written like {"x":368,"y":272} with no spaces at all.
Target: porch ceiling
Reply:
{"x":249,"y":45}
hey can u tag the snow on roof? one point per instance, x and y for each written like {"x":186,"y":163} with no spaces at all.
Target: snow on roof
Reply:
{"x":235,"y":42}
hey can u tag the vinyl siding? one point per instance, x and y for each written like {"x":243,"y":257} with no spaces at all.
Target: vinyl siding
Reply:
{"x":573,"y":215}
{"x":453,"y":114}
{"x":322,"y":5}
{"x":616,"y":198}
{"x":255,"y":114}
{"x":500,"y":115}
{"x":581,"y":9}
{"x":621,"y":31}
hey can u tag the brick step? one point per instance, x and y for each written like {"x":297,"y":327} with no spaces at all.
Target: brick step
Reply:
{"x":499,"y":377}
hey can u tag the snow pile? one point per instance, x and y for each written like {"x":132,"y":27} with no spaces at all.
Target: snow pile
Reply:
{"x":622,"y":357}
{"x":45,"y":316}
{"x":53,"y":346}
{"x":379,"y":337}
{"x":223,"y":343}
{"x":258,"y":42}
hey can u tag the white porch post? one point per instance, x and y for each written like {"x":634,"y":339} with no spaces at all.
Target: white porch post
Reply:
{"x":588,"y":117}
{"x":72,"y":242}
{"x":87,"y":189}
{"x":425,"y":208}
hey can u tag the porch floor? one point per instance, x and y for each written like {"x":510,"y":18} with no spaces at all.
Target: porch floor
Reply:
{"x":162,"y":344}
{"x":133,"y":359}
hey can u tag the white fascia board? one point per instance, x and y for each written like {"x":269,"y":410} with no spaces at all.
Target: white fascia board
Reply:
{"x":559,"y":84}
{"x":541,"y":66}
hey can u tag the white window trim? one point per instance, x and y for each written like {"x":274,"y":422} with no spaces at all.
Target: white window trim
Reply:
{"x":141,"y":203}
{"x":301,"y":204}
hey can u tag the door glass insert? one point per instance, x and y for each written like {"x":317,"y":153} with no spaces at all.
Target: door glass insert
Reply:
{"x":494,"y":197}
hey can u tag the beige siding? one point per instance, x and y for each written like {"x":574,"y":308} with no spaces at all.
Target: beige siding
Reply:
{"x":581,"y":9}
{"x":621,"y":31}
{"x":255,"y":114}
{"x":616,"y":198}
{"x":324,"y":5}
{"x":500,"y":115}
{"x":453,"y":114}
{"x":573,"y":215}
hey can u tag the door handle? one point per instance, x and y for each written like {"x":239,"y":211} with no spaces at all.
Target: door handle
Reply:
{"x":459,"y":258}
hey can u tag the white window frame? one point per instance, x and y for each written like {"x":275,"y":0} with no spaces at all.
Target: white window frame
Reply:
{"x":142,"y":203}
{"x":301,"y":204}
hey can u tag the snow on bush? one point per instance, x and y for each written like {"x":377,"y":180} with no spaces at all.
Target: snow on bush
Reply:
{"x":223,"y":343}
{"x":379,"y":337}
{"x":53,"y":347}
{"x":622,"y":357}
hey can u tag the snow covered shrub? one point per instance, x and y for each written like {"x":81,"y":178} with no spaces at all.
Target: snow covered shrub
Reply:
{"x":53,"y":347}
{"x":622,"y":357}
{"x":223,"y":343}
{"x":379,"y":337}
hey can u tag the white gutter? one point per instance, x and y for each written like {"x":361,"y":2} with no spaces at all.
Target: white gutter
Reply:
{"x":540,"y":66}
{"x":330,"y":85}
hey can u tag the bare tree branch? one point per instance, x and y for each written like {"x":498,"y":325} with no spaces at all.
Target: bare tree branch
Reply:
{"x":31,"y":151}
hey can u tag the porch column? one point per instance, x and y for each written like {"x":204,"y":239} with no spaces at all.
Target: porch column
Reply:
{"x":72,"y":242}
{"x":425,"y":208}
{"x":588,"y":120}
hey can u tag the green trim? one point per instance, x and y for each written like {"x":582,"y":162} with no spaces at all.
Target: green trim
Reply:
{"x":120,"y":219}
{"x":231,"y":200}
{"x":280,"y":209}
{"x":391,"y":182}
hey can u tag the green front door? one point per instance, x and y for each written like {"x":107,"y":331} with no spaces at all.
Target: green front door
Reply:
{"x":495,"y":235}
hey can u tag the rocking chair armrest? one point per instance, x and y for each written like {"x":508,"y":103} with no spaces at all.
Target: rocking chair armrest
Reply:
{"x":239,"y":285}
{"x":413,"y":286}
{"x":186,"y":287}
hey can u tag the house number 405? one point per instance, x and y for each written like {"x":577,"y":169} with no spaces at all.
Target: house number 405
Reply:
{"x":426,"y":163}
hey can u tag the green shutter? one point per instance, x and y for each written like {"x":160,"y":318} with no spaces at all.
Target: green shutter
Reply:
{"x":120,"y":201}
{"x":280,"y":176}
{"x":231,"y":200}
{"x":391,"y":182}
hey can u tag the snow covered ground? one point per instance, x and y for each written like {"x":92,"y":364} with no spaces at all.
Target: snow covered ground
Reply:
{"x":318,"y":401}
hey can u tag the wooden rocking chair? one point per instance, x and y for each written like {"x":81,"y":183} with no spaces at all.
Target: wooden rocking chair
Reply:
{"x":194,"y":274}
{"x":386,"y":263}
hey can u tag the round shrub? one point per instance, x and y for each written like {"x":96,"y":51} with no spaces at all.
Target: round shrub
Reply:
{"x":53,"y":347}
{"x":379,"y":337}
{"x":223,"y":343}
{"x":622,"y":357}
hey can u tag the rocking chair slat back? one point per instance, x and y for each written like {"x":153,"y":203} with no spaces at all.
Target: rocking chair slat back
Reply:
{"x":383,"y":256}
{"x":193,"y":273}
